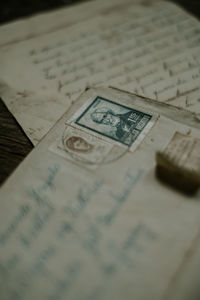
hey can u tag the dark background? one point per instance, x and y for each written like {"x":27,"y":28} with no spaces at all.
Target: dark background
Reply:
{"x":14,"y":145}
{"x":13,"y":9}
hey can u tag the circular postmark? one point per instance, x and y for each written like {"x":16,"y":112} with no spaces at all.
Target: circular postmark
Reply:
{"x":89,"y":149}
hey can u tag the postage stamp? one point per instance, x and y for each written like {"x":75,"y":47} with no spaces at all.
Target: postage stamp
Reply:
{"x":115,"y":121}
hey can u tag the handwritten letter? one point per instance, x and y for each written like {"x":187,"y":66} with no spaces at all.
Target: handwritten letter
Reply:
{"x":152,"y":51}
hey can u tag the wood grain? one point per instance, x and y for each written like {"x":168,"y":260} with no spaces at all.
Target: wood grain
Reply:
{"x":14,"y":145}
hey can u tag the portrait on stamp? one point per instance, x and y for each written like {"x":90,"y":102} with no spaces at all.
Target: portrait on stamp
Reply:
{"x":114,"y":120}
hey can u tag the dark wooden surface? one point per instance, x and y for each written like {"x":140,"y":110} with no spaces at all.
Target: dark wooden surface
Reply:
{"x":14,"y":145}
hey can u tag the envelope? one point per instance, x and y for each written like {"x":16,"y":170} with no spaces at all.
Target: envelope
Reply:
{"x":85,"y":217}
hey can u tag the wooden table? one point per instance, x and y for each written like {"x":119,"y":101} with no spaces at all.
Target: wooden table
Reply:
{"x":14,"y":145}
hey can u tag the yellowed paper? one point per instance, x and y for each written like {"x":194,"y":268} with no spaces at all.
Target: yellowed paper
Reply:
{"x":111,"y":232}
{"x":28,"y":28}
{"x":151,"y":49}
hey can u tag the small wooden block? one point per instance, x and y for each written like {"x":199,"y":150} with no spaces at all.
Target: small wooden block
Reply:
{"x":179,"y":164}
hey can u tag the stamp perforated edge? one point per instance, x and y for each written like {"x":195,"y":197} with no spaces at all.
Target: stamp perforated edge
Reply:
{"x":138,"y":140}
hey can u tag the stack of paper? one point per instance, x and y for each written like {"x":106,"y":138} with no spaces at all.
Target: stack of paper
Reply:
{"x":84,"y":217}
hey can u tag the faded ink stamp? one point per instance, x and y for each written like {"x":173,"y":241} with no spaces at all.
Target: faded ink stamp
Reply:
{"x":81,"y":147}
{"x":112,"y":120}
